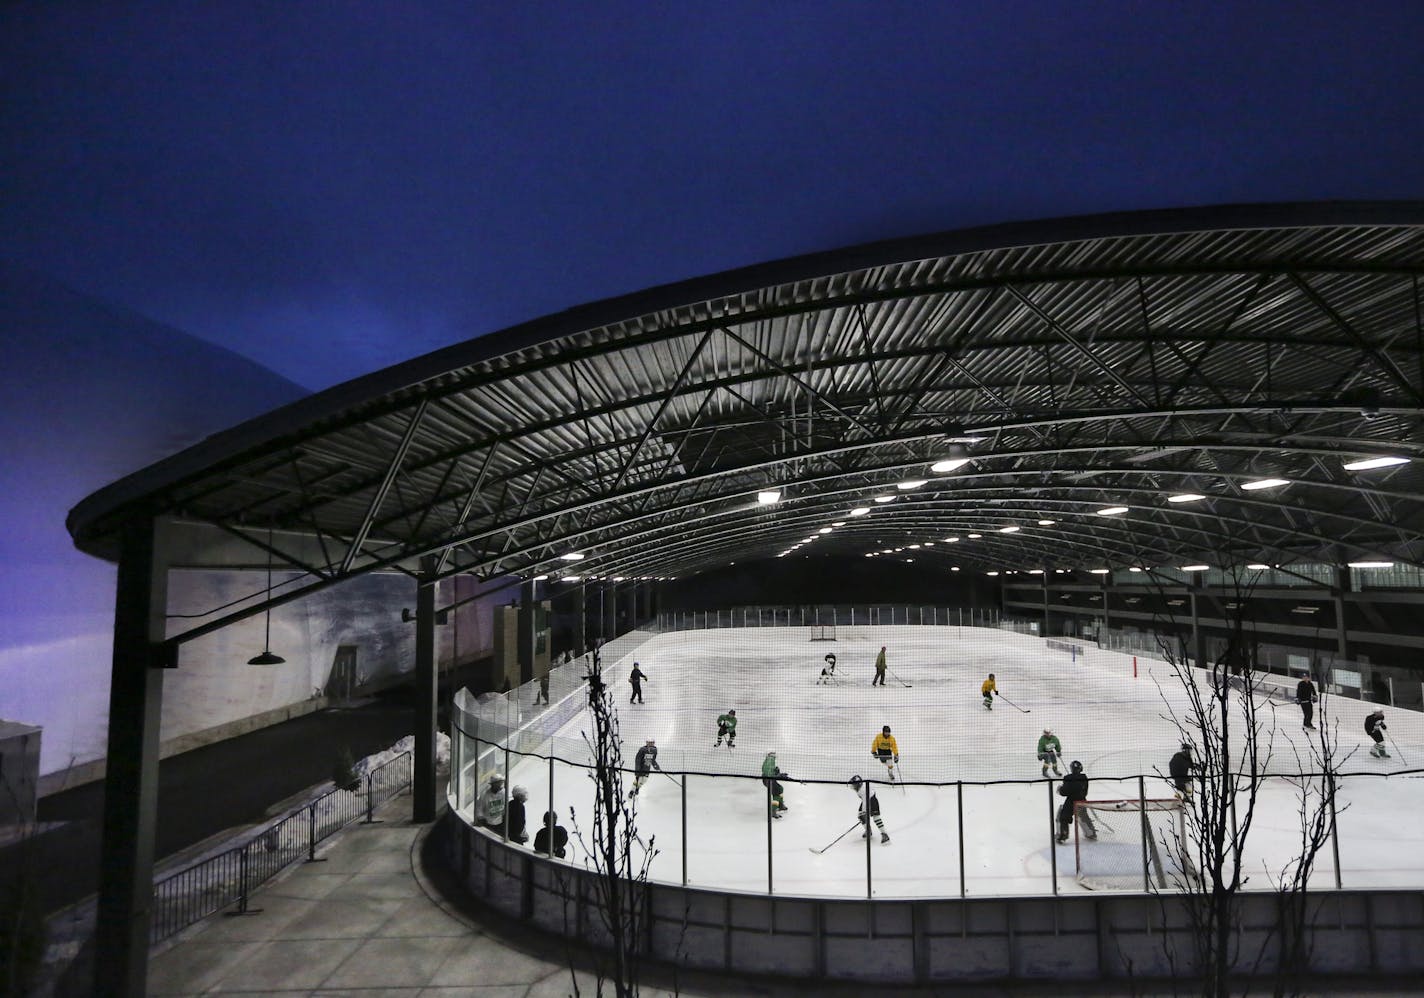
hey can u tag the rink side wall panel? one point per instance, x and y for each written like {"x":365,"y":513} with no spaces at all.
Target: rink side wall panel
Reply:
{"x":1111,"y":936}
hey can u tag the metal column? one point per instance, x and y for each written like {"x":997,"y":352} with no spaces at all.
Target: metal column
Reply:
{"x":528,"y":595}
{"x":610,"y":610}
{"x":131,"y":779}
{"x":581,"y":631}
{"x":423,"y":804}
{"x":1337,"y":593}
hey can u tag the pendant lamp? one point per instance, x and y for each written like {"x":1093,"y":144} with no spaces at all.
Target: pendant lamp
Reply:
{"x":267,"y":657}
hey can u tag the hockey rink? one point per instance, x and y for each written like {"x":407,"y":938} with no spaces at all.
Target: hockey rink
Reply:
{"x":712,"y":828}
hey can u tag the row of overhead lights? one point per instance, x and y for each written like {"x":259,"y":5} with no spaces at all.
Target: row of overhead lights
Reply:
{"x":1185,"y":568}
{"x":961,"y":457}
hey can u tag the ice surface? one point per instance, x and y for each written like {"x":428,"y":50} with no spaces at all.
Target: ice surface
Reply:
{"x":1117,"y":725}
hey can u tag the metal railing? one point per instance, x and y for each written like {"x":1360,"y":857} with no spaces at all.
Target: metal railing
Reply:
{"x":230,"y":877}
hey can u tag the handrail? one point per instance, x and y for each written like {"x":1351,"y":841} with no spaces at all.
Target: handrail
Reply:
{"x":229,"y":877}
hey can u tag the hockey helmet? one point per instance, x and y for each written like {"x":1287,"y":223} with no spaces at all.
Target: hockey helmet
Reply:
{"x":991,"y":675}
{"x":1076,"y":766}
{"x":496,"y":780}
{"x":519,"y":793}
{"x":651,"y":742}
{"x":830,"y":657}
{"x":551,"y":817}
{"x":855,"y":782}
{"x":731,"y":712}
{"x":1048,"y":731}
{"x":885,"y":730}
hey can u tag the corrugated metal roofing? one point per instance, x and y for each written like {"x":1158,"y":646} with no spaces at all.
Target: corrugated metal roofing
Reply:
{"x":1095,"y":362}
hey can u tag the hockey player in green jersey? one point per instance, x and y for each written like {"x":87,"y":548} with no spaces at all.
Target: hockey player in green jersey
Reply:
{"x":1049,"y":749}
{"x":769,"y":773}
{"x":727,"y":728}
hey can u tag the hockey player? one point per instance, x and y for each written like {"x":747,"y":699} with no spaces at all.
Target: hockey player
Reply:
{"x":1074,"y":789}
{"x":1179,"y":767}
{"x":1305,"y":696}
{"x":1375,"y":728}
{"x":828,"y":671}
{"x":514,"y":816}
{"x":883,"y":748}
{"x":858,"y":786}
{"x":879,"y":668}
{"x":489,"y":809}
{"x":770,"y":771}
{"x":636,"y":678}
{"x":643,"y":765}
{"x":989,"y":689}
{"x":1049,"y":749}
{"x":727,"y":728}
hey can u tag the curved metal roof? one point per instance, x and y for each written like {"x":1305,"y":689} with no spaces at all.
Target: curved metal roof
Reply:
{"x":1084,"y":363}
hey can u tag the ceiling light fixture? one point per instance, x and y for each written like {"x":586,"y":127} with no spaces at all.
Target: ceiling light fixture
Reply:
{"x":910,"y":483}
{"x":1263,"y":483}
{"x":1008,"y":530}
{"x":1099,"y":571}
{"x":860,"y":511}
{"x":1258,"y":567}
{"x":884,"y":498}
{"x":1371,"y":564}
{"x":1195,"y":568}
{"x":571,"y":556}
{"x":1111,"y":511}
{"x":991,"y":573}
{"x":769,"y":497}
{"x":1046,"y":523}
{"x":974,"y":537}
{"x":956,"y":457}
{"x":825,"y":530}
{"x":1369,"y":463}
{"x":267,"y":657}
{"x":1186,"y":497}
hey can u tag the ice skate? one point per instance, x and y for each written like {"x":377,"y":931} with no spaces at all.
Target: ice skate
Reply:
{"x":1062,"y":839}
{"x":1057,"y":771}
{"x":1045,"y":772}
{"x":884,"y":838}
{"x":865,"y":834}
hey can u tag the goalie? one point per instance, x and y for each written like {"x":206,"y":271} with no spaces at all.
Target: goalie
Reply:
{"x":828,"y":671}
{"x":1074,"y":789}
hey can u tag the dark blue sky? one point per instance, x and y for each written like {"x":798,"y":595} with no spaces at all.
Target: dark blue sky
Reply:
{"x":330,"y":188}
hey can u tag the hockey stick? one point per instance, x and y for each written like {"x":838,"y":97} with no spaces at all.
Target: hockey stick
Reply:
{"x":899,"y":680}
{"x":671,"y":777}
{"x":1015,"y":706}
{"x":838,"y":838}
{"x":1402,"y":760}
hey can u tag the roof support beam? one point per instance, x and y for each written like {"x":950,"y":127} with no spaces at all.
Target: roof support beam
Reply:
{"x":392,"y":469}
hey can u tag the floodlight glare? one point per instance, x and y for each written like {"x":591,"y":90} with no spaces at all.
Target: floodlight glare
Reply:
{"x":1366,"y":464}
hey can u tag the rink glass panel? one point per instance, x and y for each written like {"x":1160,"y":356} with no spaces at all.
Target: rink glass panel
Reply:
{"x":1105,"y":715}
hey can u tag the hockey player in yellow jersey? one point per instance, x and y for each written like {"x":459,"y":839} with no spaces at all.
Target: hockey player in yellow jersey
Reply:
{"x":989,"y":689}
{"x":883,"y":747}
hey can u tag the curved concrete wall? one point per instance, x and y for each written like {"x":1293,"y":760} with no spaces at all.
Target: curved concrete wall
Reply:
{"x":1103,"y":937}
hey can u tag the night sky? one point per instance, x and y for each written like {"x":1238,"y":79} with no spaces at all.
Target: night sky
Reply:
{"x":331,"y":188}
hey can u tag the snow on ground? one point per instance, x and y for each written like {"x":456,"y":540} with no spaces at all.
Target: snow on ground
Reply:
{"x":1115,"y":724}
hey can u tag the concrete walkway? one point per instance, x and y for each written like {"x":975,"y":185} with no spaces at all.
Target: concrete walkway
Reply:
{"x":381,"y":917}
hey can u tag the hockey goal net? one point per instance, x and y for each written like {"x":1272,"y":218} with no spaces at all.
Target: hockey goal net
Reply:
{"x":823,"y":632}
{"x":1131,"y":845}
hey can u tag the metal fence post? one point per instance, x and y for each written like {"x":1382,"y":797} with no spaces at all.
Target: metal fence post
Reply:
{"x":770,"y":804}
{"x":1052,"y":840}
{"x":959,"y":813}
{"x":865,"y":804}
{"x":1334,"y":830}
{"x":1146,"y":831}
{"x":311,"y":833}
{"x":685,"y":778}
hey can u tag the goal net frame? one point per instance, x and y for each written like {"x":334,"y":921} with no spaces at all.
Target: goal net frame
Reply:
{"x":1164,"y":858}
{"x":823,"y":632}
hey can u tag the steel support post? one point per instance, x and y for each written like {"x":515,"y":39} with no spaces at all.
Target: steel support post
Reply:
{"x":610,"y":610}
{"x":131,"y":777}
{"x":423,"y":803}
{"x":528,"y":616}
